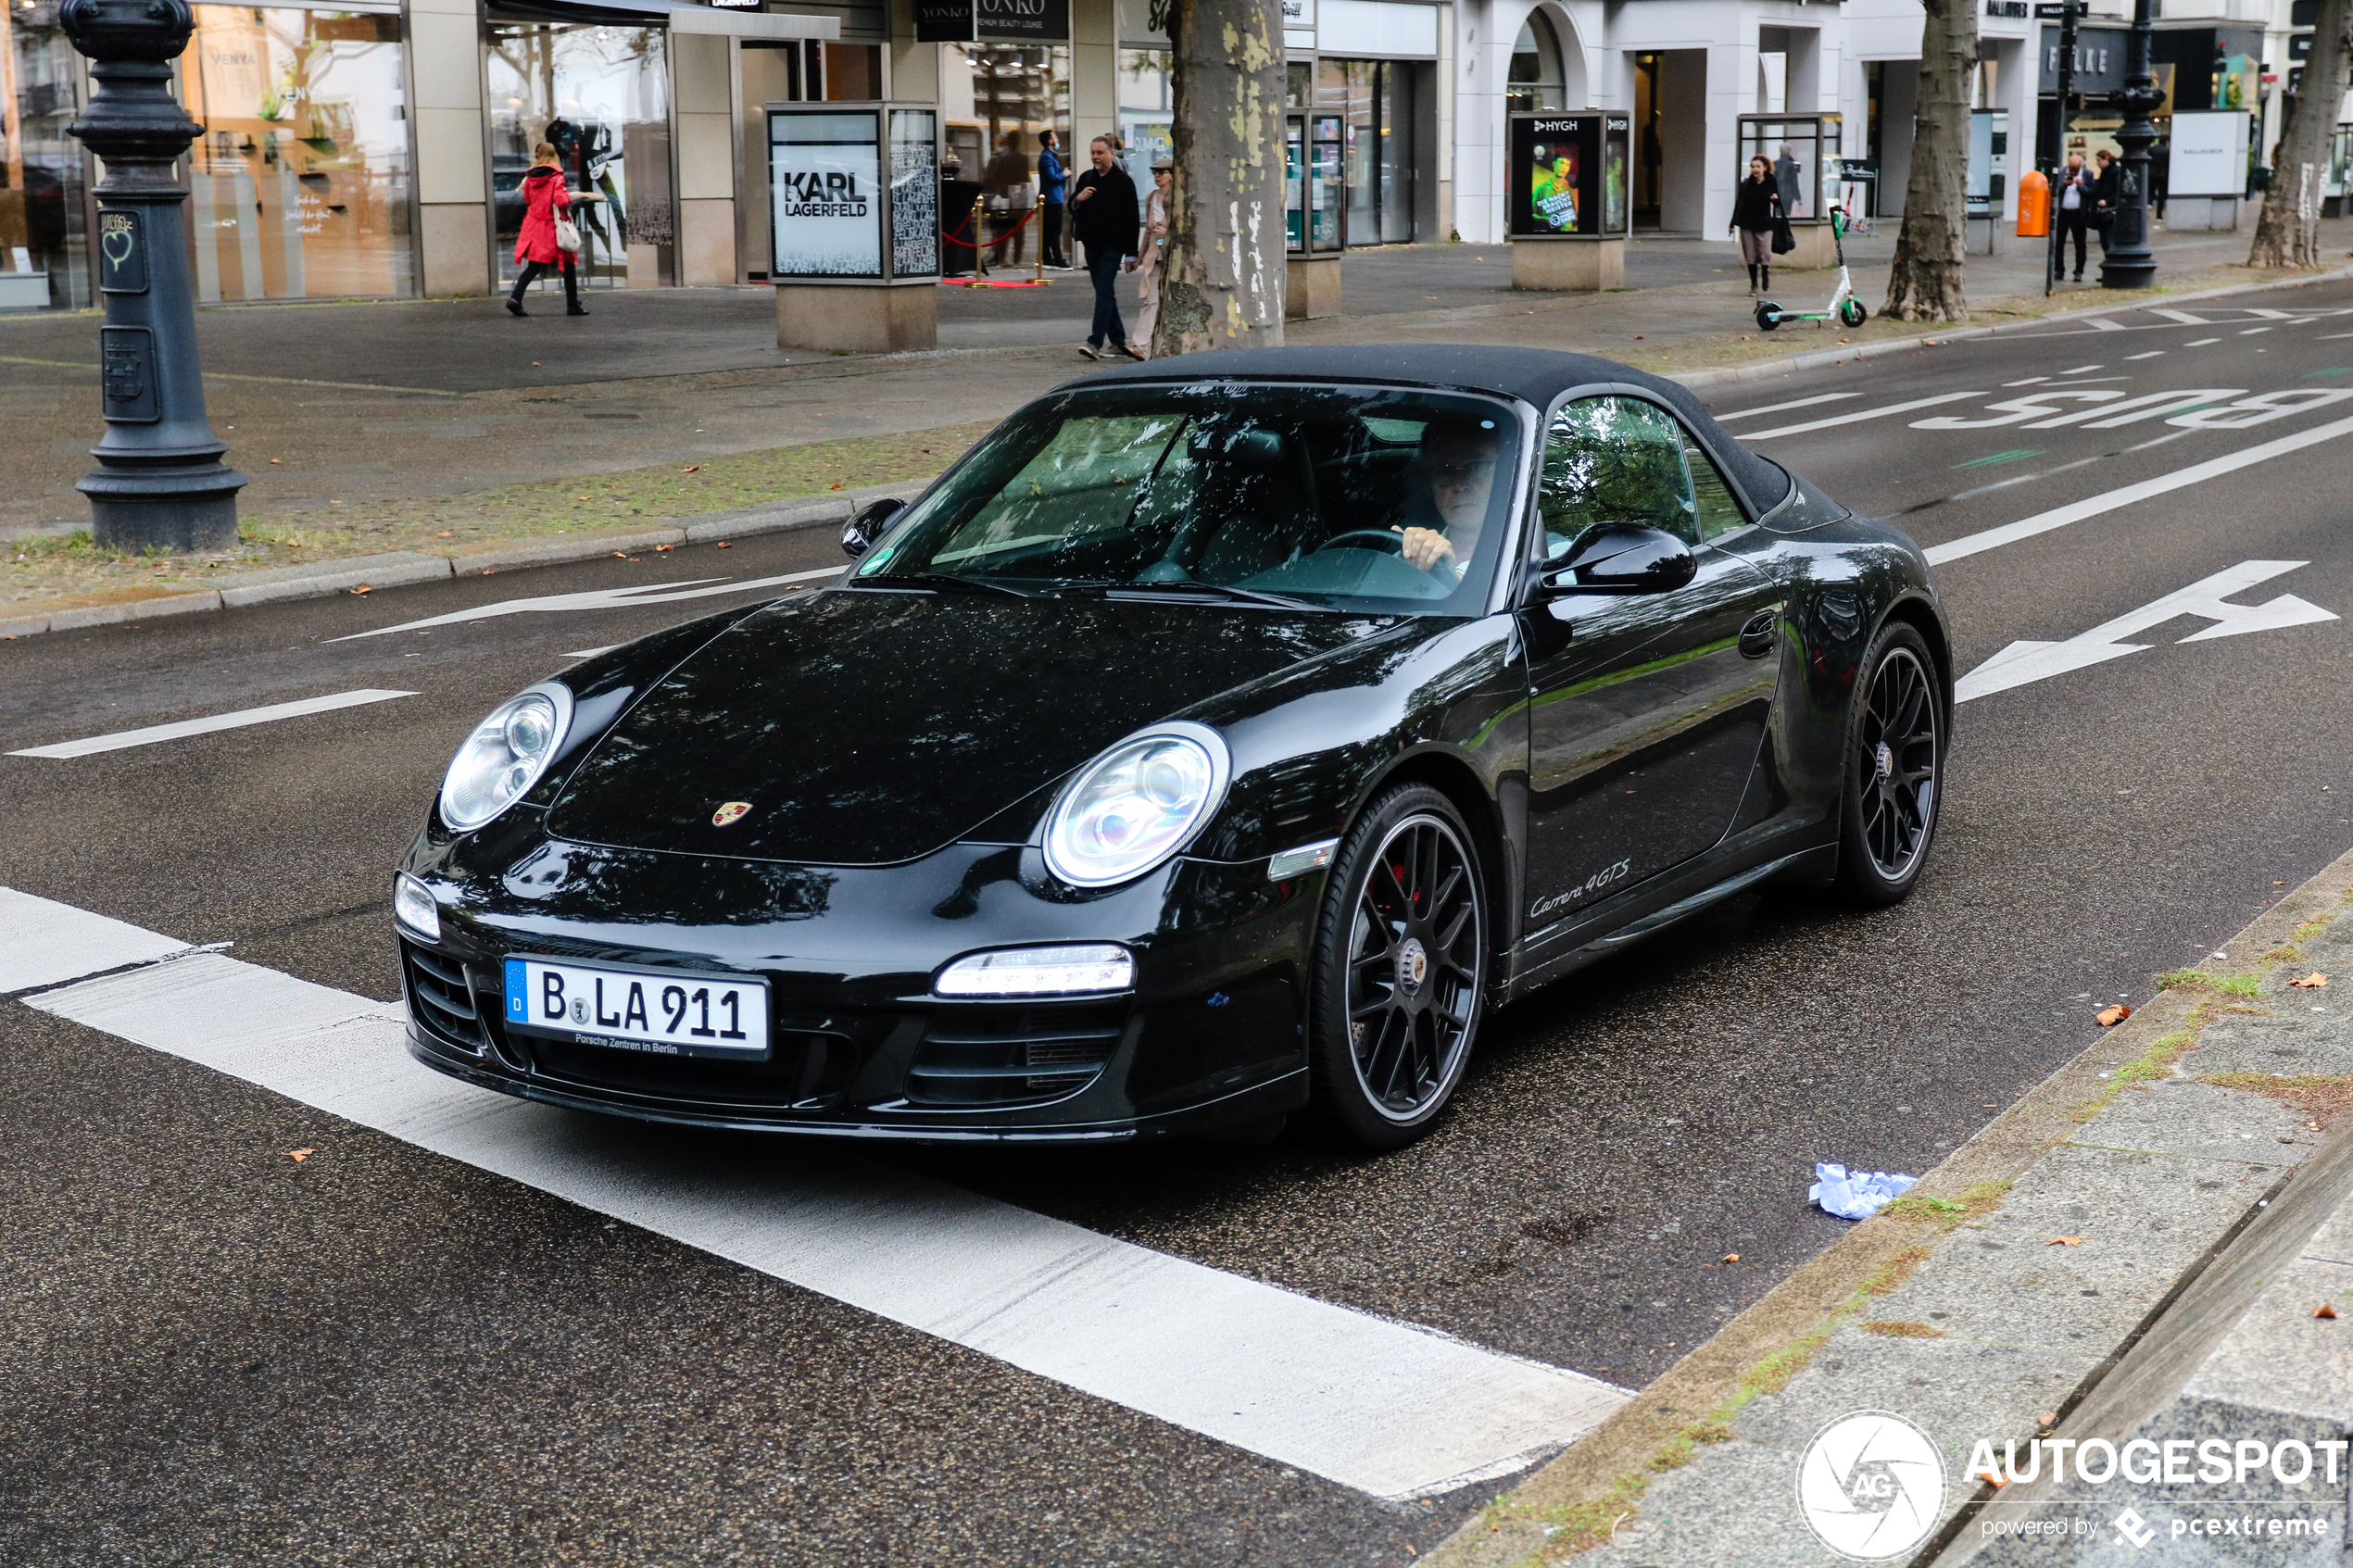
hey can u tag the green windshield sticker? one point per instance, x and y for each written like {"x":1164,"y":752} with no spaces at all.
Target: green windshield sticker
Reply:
{"x":880,"y":558}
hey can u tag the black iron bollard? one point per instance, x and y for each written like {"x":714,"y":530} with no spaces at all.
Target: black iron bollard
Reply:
{"x":159,"y":480}
{"x":2130,"y":264}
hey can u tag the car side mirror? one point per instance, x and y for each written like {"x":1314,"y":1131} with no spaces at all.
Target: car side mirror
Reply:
{"x":1623,"y":558}
{"x":869,"y":523}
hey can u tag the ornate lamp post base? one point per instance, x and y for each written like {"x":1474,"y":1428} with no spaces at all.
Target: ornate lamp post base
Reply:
{"x":160,"y":483}
{"x":2130,"y":264}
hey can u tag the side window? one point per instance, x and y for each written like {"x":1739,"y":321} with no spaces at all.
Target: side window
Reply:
{"x":1613,"y":459}
{"x":1720,"y":511}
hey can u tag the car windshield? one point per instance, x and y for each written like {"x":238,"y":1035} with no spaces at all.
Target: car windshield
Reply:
{"x":1357,"y":498}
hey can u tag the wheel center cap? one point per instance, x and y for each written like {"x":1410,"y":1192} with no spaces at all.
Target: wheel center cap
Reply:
{"x":1412,"y":964}
{"x":1885,"y":758}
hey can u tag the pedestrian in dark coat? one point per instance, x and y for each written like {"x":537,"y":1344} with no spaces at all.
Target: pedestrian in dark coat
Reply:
{"x":1105,"y":217}
{"x":2106,"y":195}
{"x":1756,"y":212}
{"x":544,"y":197}
{"x":2071,"y":201}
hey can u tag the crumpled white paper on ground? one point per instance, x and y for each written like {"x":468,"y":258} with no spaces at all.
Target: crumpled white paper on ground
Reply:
{"x":1856,"y":1196}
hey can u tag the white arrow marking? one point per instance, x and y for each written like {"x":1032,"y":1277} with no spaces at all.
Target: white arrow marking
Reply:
{"x":1852,"y":419}
{"x":2023,"y":663}
{"x":599,"y":598}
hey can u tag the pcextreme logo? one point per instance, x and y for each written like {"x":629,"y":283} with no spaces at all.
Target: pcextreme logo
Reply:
{"x":1872,"y":1485}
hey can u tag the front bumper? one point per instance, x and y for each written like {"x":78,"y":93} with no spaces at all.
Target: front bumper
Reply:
{"x":1211,"y":1035}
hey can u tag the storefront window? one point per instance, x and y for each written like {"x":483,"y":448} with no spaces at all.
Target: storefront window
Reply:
{"x":996,"y":98}
{"x":1374,"y":101}
{"x":1535,"y":79}
{"x":1145,"y":110}
{"x":299,"y":185}
{"x":42,"y":200}
{"x":601,"y":95}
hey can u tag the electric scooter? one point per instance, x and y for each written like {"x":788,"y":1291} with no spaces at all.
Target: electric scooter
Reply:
{"x":1844,"y":307}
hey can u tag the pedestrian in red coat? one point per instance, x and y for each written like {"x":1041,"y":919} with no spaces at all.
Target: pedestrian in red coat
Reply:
{"x":543,"y":196}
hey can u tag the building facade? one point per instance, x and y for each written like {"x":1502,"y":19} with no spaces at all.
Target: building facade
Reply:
{"x":376,"y":147}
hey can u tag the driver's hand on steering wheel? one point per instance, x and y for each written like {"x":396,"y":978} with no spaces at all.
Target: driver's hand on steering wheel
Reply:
{"x":1424,"y":548}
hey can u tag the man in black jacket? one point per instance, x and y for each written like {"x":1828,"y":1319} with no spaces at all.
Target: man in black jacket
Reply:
{"x":1103,"y":218}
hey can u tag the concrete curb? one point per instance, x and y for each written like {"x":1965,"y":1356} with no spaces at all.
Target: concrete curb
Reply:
{"x":1593,"y":1487}
{"x":394,"y":569}
{"x":1814,"y":359}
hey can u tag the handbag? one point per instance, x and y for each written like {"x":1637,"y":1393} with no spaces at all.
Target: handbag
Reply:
{"x":1784,"y":241}
{"x":567,"y":233}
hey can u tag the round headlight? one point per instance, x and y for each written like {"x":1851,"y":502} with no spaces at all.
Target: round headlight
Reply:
{"x":1136,"y":805}
{"x":505,"y":756}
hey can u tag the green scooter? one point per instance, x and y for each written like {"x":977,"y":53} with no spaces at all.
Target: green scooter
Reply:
{"x":1844,"y":307}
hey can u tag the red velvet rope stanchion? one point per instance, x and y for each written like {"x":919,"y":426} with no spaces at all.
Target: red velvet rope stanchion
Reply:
{"x":1040,"y":281}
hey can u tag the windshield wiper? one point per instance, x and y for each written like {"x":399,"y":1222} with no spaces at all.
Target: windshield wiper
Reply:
{"x":1220,"y":590}
{"x":943,"y":581}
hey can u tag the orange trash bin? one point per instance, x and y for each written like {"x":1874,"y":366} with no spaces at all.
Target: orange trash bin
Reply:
{"x":2034,"y":206}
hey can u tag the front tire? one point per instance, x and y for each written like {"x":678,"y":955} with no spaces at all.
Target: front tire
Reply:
{"x":1768,"y":316}
{"x":1401,"y":972}
{"x":1895,"y":770}
{"x":1851,"y":311}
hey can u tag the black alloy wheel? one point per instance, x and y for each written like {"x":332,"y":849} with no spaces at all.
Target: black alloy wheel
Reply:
{"x":1400,"y":971}
{"x":1895,"y":770}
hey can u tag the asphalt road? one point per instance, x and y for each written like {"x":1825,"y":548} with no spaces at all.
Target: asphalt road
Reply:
{"x":220,"y":1355}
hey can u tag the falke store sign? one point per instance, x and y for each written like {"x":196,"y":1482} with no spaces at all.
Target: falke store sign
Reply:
{"x":992,"y":22}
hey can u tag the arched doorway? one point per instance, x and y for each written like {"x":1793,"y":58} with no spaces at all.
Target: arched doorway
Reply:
{"x":1536,"y":79}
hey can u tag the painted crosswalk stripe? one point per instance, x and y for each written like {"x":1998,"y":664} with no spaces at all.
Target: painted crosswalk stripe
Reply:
{"x":1879,"y":413}
{"x":2095,"y":505}
{"x":185,"y":727}
{"x":1785,"y":408}
{"x":1387,"y":1408}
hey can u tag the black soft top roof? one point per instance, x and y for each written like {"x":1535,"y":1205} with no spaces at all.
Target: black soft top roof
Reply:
{"x":1532,"y":375}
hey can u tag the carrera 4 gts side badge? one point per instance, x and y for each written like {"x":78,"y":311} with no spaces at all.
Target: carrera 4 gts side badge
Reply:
{"x":733,"y":811}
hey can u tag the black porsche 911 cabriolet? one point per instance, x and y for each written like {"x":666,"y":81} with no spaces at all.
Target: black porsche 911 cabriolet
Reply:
{"x":1216,"y":741}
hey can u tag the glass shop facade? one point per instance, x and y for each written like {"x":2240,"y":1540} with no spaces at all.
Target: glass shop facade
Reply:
{"x":306,"y":182}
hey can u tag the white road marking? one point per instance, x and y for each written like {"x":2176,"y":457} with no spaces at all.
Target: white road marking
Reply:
{"x":2152,"y":353}
{"x":2025,"y":662}
{"x":1783,"y":408}
{"x":2102,"y":325}
{"x":2250,"y":331}
{"x":2181,"y":316}
{"x":1880,"y":413}
{"x":2030,"y":381}
{"x":2148,"y":405}
{"x":2085,"y":369}
{"x":2010,"y":411}
{"x":44,"y":943}
{"x":237,"y":720}
{"x":602,"y":599}
{"x":2331,"y":337}
{"x":1387,"y":1408}
{"x":2095,"y":505}
{"x":590,"y":653}
{"x":2200,"y":342}
{"x":2088,"y":380}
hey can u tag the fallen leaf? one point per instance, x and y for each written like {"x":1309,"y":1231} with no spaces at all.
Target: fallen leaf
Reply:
{"x":2065,"y":1241}
{"x":835,"y":485}
{"x":662,"y":550}
{"x":1990,"y":1479}
{"x":2324,"y":1311}
{"x":724,"y":545}
{"x":620,"y":555}
{"x":490,"y":572}
{"x":2048,"y":1418}
{"x":363,"y":588}
{"x":580,"y":498}
{"x":691,"y":468}
{"x":1731,"y":1257}
{"x":443,"y":534}
{"x":1638,"y":337}
{"x":279,"y":462}
{"x":2279,"y":885}
{"x":2311,"y":982}
{"x":2109,"y":1018}
{"x":299,"y":1155}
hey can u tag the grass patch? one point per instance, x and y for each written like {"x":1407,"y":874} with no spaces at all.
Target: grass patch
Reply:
{"x":2282,"y":955}
{"x":2156,"y":1063}
{"x":2247,"y":986}
{"x":1902,"y":1330}
{"x":2321,"y":1097}
{"x":1895,"y":1271}
{"x":44,"y":566}
{"x":1977,"y":1200}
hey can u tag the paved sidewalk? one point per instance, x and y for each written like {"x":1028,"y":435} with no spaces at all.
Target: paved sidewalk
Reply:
{"x":2130,"y":1252}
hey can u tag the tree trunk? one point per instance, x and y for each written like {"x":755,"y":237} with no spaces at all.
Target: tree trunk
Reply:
{"x":1926,"y":283}
{"x":1221,"y":280}
{"x":2288,"y":235}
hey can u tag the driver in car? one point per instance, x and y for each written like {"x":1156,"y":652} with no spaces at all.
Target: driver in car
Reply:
{"x":1442,"y":522}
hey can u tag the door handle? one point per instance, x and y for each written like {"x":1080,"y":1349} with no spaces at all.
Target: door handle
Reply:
{"x":1757,"y":637}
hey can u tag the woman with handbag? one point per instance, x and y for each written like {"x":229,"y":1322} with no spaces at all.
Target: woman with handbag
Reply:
{"x":549,"y":239}
{"x":1756,"y":216}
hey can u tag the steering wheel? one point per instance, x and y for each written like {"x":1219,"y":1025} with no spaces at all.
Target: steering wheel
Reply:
{"x":1379,"y":539}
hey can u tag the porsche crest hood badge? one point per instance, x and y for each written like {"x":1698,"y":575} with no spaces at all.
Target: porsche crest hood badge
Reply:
{"x":733,"y":811}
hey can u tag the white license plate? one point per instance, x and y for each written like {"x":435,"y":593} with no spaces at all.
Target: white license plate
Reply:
{"x":667,"y":1012}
